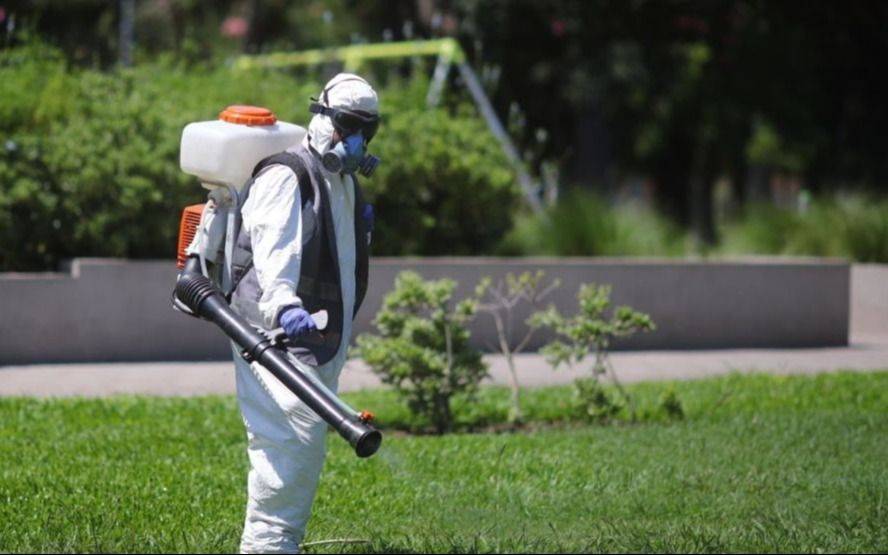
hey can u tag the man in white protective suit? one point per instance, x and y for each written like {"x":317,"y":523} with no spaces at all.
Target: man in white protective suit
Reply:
{"x":301,"y":251}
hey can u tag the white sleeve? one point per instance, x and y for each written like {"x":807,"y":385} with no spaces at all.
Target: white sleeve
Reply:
{"x":272,"y":216}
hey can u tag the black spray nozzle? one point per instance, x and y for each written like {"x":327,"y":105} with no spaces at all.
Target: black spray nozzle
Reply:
{"x":364,"y":439}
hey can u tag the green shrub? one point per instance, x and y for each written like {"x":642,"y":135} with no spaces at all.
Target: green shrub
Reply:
{"x":595,"y":403}
{"x":591,"y":332}
{"x":671,"y":405}
{"x":852,"y":226}
{"x":89,"y":160}
{"x":443,"y":186}
{"x":583,"y":224}
{"x":499,"y":300}
{"x":849,"y":226}
{"x":866,"y":229}
{"x":422,"y":347}
{"x":26,"y":74}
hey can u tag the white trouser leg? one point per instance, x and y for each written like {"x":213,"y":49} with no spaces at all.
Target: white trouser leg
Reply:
{"x":286,"y":448}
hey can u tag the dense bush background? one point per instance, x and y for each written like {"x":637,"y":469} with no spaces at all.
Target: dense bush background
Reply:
{"x":733,"y":127}
{"x":585,"y":224}
{"x":853,"y":226}
{"x":89,"y":167}
{"x":89,"y":159}
{"x":846,"y":225}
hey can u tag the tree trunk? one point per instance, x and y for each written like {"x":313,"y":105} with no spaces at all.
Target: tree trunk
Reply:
{"x":516,"y":417}
{"x":701,"y":184}
{"x":254,"y":37}
{"x":506,"y":348}
{"x":758,"y":184}
{"x":442,"y":418}
{"x":672,"y":173}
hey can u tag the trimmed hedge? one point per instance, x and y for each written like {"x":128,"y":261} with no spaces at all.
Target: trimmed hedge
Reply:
{"x":89,"y":160}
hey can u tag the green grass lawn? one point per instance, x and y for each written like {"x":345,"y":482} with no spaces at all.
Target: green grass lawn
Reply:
{"x":760,"y":463}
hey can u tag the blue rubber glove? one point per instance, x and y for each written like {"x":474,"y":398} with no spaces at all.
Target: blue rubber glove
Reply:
{"x":369,"y":216}
{"x":297,"y":322}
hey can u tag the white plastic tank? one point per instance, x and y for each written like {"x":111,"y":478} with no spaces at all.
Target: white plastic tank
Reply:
{"x":225,"y":151}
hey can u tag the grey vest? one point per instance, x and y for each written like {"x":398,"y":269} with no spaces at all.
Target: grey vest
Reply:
{"x":320,"y":286}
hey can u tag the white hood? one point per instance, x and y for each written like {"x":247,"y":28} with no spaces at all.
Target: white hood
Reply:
{"x":347,"y":91}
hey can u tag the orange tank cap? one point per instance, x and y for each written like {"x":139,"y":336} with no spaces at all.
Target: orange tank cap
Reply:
{"x":248,"y":115}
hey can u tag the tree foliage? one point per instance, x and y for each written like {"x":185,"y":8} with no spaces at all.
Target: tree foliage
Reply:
{"x":89,"y":161}
{"x":682,"y":94}
{"x":687,"y":92}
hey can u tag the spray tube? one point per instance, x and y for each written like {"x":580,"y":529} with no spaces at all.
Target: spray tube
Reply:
{"x":200,"y":296}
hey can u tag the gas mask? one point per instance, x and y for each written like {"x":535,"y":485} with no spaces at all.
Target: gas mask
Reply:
{"x":357,"y":129}
{"x":348,"y":156}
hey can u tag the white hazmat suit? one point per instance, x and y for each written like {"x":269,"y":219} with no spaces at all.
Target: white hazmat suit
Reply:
{"x":286,"y":439}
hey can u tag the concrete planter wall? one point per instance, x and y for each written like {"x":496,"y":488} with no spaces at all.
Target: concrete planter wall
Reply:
{"x":869,"y":300}
{"x":106,"y":310}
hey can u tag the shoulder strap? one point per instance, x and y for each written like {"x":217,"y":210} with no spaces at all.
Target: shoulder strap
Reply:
{"x":242,"y":255}
{"x":292,"y":161}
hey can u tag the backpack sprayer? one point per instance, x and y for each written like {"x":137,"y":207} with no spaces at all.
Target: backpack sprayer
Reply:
{"x":222,"y":154}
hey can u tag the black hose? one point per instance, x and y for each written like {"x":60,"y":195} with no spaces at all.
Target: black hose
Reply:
{"x":196,"y":292}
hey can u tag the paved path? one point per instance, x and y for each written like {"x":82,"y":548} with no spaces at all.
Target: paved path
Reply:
{"x":205,"y":378}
